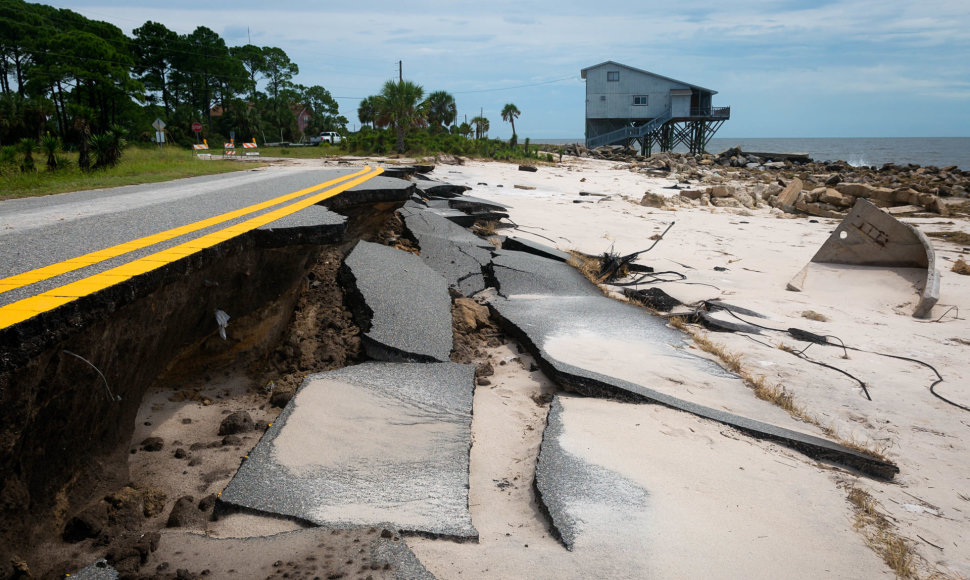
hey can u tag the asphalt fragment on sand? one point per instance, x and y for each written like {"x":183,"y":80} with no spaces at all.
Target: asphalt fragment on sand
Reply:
{"x":575,"y":493}
{"x":551,"y":309}
{"x":531,"y":247}
{"x":439,"y":189}
{"x":378,"y":444}
{"x":401,"y":304}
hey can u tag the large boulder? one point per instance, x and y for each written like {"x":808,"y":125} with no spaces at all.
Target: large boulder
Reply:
{"x":831,"y":195}
{"x":856,"y":189}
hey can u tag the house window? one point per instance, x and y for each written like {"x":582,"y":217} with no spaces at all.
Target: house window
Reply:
{"x":613,"y":76}
{"x":639,"y":99}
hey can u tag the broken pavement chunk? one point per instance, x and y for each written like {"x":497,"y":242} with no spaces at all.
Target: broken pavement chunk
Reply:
{"x":378,"y":444}
{"x":528,"y":246}
{"x":597,"y":346}
{"x":452,"y":251}
{"x":401,"y":304}
{"x":578,"y":494}
{"x":870,"y":237}
{"x":439,"y":189}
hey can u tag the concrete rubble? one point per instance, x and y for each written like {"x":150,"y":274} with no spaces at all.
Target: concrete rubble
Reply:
{"x":793,"y":182}
{"x":872,"y":238}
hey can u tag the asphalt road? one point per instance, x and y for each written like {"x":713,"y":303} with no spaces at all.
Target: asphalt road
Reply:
{"x":37,"y":232}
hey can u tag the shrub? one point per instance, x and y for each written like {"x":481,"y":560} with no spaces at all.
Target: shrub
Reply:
{"x":107,"y":148}
{"x":50,"y":144}
{"x":27,"y":147}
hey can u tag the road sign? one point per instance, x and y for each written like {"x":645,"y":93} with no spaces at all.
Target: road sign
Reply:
{"x":159,"y":137}
{"x":197,"y":127}
{"x":159,"y":124}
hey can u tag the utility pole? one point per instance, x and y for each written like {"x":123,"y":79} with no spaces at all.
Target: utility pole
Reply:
{"x":400,"y":71}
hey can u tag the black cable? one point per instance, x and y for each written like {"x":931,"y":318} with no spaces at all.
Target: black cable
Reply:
{"x":939,"y":377}
{"x":654,"y":279}
{"x":516,"y":226}
{"x":709,"y":304}
{"x":631,"y":257}
{"x":801,"y":355}
{"x":956,"y":317}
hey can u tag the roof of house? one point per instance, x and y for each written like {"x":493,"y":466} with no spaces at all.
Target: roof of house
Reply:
{"x":613,"y":62}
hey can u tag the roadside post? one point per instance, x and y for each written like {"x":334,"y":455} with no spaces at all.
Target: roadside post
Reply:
{"x":159,"y":125}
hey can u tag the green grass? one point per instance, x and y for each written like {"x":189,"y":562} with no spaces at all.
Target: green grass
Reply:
{"x":302,"y":152}
{"x":138,"y":165}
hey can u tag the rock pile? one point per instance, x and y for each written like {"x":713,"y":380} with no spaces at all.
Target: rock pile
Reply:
{"x":794,"y":182}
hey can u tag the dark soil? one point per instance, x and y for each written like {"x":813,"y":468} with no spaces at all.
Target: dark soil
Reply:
{"x":474,"y":330}
{"x":321,"y":337}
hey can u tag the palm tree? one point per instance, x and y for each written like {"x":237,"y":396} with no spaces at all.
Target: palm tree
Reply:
{"x":509,"y":114}
{"x":440,"y":109}
{"x":481,"y":127}
{"x":367,"y":110}
{"x":398,"y":108}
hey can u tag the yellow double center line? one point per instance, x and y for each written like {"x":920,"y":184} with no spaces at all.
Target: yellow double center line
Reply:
{"x":28,"y":307}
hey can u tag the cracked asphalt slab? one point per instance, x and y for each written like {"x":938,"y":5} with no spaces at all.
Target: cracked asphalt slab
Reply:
{"x":530,"y":247}
{"x":378,"y":444}
{"x":430,"y":188}
{"x":313,"y":225}
{"x":380,"y":189}
{"x":471,"y":204}
{"x":406,"y":309}
{"x":449,"y":249}
{"x":562,"y":317}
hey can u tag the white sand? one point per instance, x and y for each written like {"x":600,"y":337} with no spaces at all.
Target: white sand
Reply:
{"x":337,"y":425}
{"x":782,"y":515}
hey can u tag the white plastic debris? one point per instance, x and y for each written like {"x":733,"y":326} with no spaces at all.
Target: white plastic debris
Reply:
{"x":222,"y":319}
{"x":919,"y":509}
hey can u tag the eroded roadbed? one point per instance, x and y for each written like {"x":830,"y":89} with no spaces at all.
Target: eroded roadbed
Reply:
{"x":380,"y":448}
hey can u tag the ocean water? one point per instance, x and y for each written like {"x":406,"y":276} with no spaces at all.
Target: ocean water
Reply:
{"x":857,"y":151}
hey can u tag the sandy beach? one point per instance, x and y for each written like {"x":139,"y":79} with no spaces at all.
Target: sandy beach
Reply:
{"x":722,"y":504}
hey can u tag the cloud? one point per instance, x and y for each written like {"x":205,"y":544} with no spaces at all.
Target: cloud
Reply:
{"x":751,"y":51}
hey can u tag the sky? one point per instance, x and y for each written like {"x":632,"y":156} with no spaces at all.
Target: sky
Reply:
{"x":855,"y":68}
